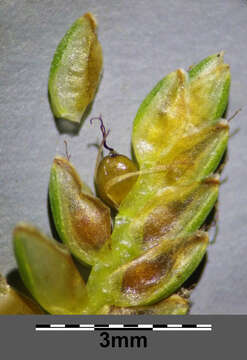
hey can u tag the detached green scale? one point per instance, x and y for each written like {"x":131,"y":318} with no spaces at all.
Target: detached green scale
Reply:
{"x":179,"y":138}
{"x":76,"y":70}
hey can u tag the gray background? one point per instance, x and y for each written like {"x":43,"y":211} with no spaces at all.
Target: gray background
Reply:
{"x":142,"y":42}
{"x":227,"y":338}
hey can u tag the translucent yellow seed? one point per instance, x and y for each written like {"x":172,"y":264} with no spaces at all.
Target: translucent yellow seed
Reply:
{"x":110,"y":167}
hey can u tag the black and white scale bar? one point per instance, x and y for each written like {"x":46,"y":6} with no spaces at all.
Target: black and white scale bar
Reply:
{"x":123,"y":327}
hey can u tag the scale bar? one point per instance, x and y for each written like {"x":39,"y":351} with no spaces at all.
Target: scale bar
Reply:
{"x":123,"y":327}
{"x":183,"y":329}
{"x":64,"y":329}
